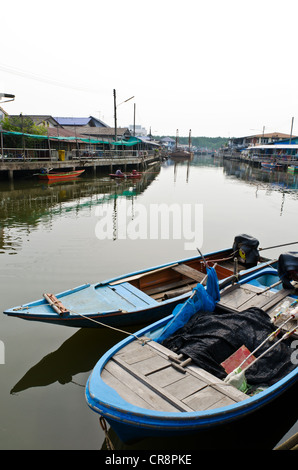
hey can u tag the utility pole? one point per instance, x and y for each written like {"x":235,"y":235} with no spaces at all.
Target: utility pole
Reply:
{"x":291,"y":130}
{"x":115,"y":115}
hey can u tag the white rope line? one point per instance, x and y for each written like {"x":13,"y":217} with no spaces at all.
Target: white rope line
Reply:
{"x":104,"y":324}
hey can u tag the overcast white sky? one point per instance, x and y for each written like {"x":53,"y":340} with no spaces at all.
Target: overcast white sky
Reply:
{"x":217,"y":67}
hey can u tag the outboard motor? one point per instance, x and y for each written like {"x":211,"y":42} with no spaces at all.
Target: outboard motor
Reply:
{"x":246,"y":248}
{"x":288,"y":268}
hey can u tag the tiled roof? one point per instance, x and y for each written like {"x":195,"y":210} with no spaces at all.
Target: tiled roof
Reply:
{"x":98,"y":131}
{"x":60,"y":132}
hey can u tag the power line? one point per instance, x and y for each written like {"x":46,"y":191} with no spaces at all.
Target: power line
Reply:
{"x":40,"y":78}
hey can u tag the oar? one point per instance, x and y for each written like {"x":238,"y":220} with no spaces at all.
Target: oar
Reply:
{"x":273,"y":319}
{"x":269,"y":287}
{"x":277,"y":246}
{"x":237,"y":376}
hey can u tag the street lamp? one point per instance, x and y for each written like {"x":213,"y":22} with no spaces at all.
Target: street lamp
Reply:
{"x":7,"y":95}
{"x":115,"y":111}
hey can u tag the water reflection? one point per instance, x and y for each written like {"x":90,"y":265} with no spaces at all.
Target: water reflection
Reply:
{"x":27,"y":205}
{"x":77,"y":354}
{"x":282,"y":181}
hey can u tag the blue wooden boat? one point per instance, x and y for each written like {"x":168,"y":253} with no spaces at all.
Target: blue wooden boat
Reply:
{"x":139,"y":297}
{"x":144,"y":389}
{"x":271,"y":165}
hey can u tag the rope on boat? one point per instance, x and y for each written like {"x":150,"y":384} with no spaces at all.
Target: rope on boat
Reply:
{"x":103,"y":425}
{"x":107,"y":326}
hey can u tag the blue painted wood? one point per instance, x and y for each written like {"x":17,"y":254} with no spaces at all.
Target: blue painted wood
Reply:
{"x":111,"y":302}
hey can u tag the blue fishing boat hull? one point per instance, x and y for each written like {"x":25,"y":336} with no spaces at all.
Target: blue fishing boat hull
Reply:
{"x":132,"y":423}
{"x":88,"y":309}
{"x":114,"y":302}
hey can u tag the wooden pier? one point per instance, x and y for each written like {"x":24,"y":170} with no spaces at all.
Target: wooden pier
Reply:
{"x":9,"y":169}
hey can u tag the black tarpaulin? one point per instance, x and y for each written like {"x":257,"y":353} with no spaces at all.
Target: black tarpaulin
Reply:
{"x":211,"y":337}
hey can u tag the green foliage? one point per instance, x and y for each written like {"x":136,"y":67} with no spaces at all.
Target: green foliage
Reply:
{"x":212,"y":143}
{"x":22,"y":124}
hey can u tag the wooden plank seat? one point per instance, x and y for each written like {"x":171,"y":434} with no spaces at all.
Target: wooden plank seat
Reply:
{"x":189,"y":272}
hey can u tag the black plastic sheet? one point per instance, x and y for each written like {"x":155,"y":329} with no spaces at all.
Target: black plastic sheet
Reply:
{"x":211,"y":337}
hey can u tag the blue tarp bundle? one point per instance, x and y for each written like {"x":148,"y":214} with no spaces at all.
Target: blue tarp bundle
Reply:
{"x":201,"y":300}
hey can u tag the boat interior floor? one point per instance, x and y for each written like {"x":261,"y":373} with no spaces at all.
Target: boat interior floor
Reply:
{"x":147,"y":375}
{"x":176,"y":279}
{"x":242,"y":297}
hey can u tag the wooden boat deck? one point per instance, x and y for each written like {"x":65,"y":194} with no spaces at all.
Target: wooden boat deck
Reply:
{"x":148,"y":375}
{"x":248,"y":296}
{"x":145,"y":375}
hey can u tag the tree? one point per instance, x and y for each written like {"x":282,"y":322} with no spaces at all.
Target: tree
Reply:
{"x":22,"y":124}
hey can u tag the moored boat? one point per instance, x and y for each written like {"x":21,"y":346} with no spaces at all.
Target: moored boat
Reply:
{"x":271,"y":165}
{"x":139,"y":297}
{"x":133,"y":174}
{"x":180,"y":152}
{"x":61,"y":175}
{"x":146,"y":387}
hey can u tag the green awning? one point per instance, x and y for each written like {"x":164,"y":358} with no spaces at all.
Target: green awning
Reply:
{"x":36,"y":136}
{"x":53,"y":137}
{"x":127,"y":143}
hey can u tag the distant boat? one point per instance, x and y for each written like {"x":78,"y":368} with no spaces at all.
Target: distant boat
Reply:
{"x":145,"y":387}
{"x":63,"y":175}
{"x":126,"y":175}
{"x":181,"y":152}
{"x":271,"y":165}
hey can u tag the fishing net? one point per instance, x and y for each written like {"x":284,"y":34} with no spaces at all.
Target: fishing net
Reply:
{"x":209,"y":338}
{"x":201,"y":300}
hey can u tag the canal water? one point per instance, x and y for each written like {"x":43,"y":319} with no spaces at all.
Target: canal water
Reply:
{"x":57,"y":236}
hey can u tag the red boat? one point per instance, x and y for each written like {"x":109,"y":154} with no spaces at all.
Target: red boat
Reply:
{"x":60,"y":176}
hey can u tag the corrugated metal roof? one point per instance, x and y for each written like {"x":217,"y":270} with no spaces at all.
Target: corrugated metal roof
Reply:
{"x":66,"y":121}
